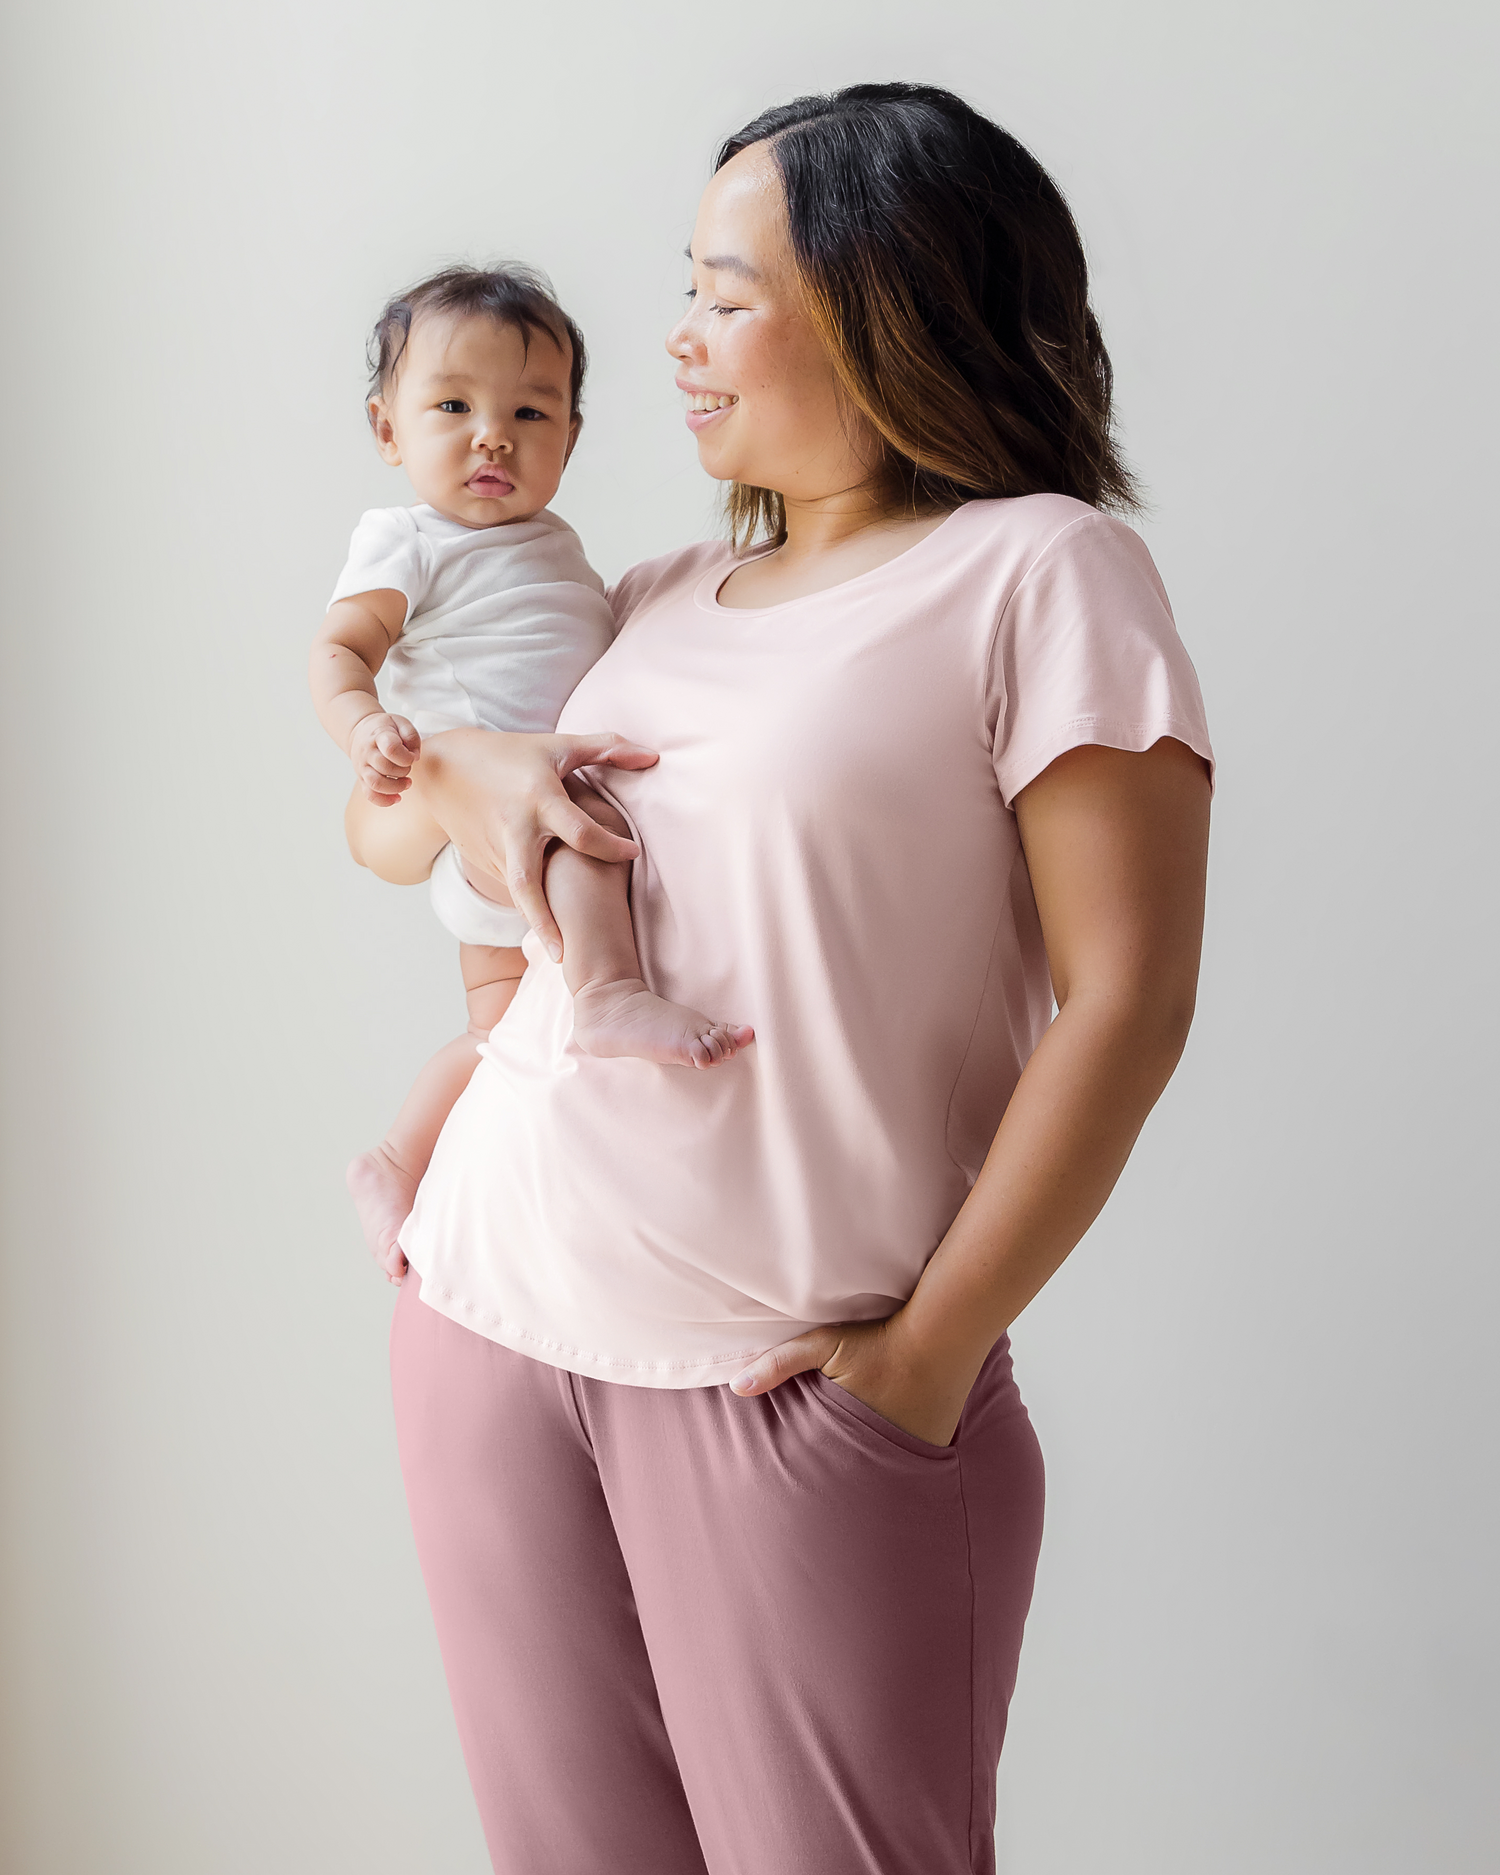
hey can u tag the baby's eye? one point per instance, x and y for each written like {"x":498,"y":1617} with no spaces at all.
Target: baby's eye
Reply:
{"x":453,"y":406}
{"x":531,"y":416}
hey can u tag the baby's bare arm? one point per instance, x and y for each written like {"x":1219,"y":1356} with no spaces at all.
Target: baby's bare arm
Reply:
{"x":350,"y":647}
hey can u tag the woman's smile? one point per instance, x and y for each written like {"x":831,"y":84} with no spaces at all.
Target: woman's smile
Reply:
{"x":705,"y":407}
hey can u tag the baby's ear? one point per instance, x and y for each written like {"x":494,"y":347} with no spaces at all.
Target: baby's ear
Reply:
{"x":385,"y":436}
{"x":573,"y":428}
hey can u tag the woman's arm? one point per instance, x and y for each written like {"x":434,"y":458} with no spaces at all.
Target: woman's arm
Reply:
{"x":500,"y":799}
{"x":1117,"y":847}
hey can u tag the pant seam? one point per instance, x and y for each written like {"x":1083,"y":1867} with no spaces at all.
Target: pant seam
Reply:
{"x":973,"y":1646}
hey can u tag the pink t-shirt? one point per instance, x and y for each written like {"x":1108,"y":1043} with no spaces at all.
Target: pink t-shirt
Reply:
{"x":830,"y":854}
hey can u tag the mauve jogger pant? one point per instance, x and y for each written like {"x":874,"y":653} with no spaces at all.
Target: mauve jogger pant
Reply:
{"x":689,"y":1634}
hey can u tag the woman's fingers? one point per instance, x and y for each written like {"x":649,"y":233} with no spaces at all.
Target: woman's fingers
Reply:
{"x":792,"y":1357}
{"x":605,"y":746}
{"x":523,"y":878}
{"x":562,"y":816}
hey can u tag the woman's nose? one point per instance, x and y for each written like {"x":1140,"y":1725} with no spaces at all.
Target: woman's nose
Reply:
{"x":685,"y":340}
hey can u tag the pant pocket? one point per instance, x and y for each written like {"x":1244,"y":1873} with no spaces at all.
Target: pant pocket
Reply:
{"x":829,"y":1394}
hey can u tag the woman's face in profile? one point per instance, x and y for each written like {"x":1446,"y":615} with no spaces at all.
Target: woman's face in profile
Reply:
{"x":759,"y":384}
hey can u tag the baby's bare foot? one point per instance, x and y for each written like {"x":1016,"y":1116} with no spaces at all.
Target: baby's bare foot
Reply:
{"x":383,"y":1196}
{"x":624,"y":1018}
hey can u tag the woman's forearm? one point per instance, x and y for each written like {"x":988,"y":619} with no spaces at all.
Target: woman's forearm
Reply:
{"x":443,"y":778}
{"x":1059,"y":1150}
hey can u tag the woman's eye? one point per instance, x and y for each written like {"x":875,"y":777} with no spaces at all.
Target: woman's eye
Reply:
{"x":692,"y":294}
{"x":453,"y":406}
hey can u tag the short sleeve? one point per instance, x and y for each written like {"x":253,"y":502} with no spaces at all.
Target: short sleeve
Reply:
{"x":666,"y":574}
{"x":631,"y":588}
{"x":386,"y":552}
{"x":1086,"y":651}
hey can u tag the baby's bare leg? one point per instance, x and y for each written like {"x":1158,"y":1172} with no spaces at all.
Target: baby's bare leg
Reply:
{"x":383,"y":1181}
{"x":614,"y":1013}
{"x":397,"y":843}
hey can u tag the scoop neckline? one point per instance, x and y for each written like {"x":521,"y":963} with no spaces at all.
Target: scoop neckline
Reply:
{"x":706,"y":592}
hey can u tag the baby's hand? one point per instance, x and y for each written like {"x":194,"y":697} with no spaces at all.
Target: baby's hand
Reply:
{"x":382,"y":749}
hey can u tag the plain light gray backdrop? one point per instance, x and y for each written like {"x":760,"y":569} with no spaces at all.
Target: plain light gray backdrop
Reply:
{"x":1265,"y":1631}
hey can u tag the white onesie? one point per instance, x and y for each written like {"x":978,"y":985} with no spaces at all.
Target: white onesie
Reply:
{"x":501,"y":622}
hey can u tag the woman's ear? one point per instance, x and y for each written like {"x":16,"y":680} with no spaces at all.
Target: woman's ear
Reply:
{"x":385,"y":436}
{"x":573,"y":428}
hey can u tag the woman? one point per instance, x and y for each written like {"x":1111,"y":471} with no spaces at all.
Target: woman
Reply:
{"x":725,"y":1497}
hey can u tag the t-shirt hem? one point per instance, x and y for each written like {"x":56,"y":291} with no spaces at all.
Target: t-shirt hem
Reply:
{"x":711,"y":1371}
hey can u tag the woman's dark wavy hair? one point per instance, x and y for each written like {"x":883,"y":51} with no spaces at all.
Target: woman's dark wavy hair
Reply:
{"x":512,"y":295}
{"x":946,"y":277}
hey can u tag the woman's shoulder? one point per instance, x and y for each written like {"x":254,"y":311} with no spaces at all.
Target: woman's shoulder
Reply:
{"x":1001,"y":550}
{"x":659,"y":578}
{"x":1026,"y":526}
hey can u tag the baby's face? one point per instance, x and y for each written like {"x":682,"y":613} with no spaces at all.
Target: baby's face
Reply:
{"x":480,"y":420}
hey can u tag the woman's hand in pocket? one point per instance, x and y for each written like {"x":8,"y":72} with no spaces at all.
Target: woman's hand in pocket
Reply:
{"x":878,"y":1363}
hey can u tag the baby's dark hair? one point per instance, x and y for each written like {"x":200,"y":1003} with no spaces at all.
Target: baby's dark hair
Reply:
{"x":514,"y":295}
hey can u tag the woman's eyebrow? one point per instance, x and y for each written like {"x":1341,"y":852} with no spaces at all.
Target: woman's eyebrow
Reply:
{"x":724,"y":263}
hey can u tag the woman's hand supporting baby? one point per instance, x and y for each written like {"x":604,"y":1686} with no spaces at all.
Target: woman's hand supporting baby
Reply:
{"x":499,"y":797}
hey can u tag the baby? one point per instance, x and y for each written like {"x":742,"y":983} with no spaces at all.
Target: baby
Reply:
{"x":477,"y":607}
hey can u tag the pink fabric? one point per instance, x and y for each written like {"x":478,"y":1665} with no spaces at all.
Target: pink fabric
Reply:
{"x":689,"y":1634}
{"x":829,"y":854}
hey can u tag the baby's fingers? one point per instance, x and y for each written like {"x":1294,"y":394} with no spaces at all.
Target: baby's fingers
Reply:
{"x":382,"y":788}
{"x":392,"y":753}
{"x":382,"y":795}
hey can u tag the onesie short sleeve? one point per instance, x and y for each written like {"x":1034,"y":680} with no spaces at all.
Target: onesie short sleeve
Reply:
{"x":387,"y":552}
{"x":1086,"y":651}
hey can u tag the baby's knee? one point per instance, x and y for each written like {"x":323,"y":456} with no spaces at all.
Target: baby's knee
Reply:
{"x":487,"y":1003}
{"x":486,"y":966}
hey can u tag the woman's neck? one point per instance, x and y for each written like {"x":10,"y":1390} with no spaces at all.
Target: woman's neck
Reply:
{"x":826,"y":544}
{"x":829,"y":523}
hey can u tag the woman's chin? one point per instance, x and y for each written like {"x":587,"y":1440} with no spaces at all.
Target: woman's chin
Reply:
{"x":712,"y":462}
